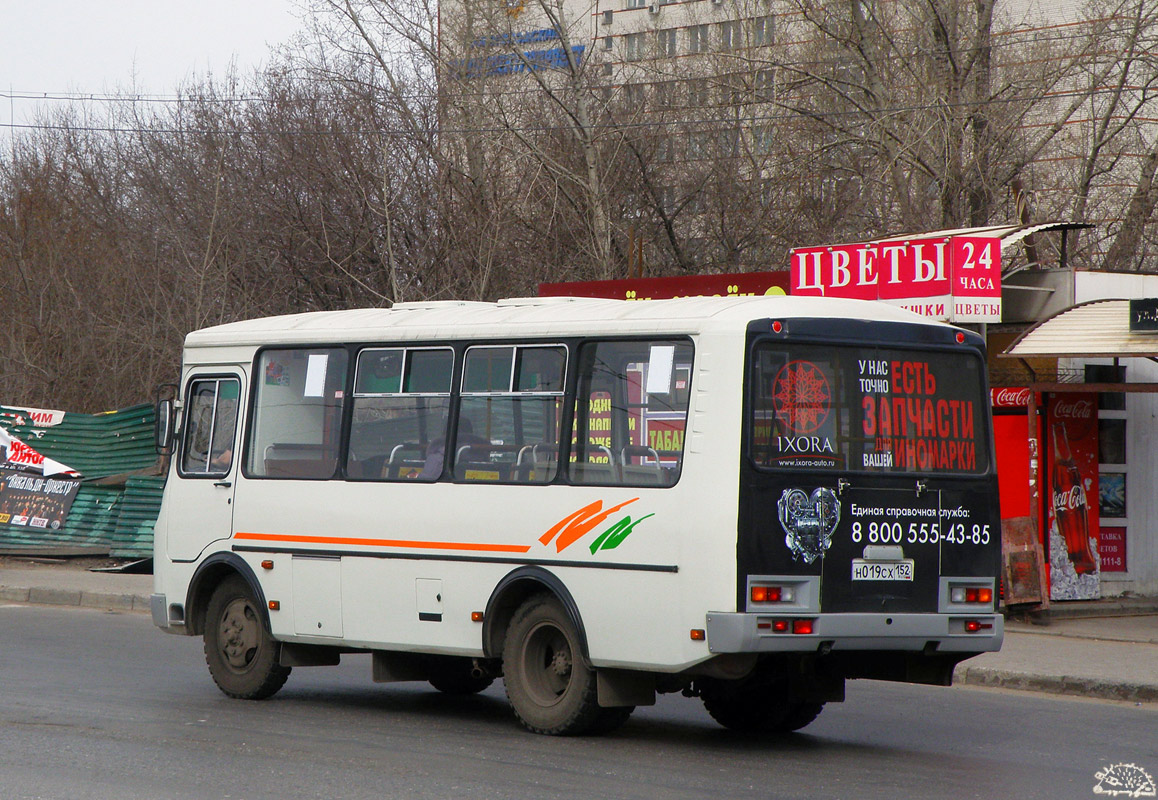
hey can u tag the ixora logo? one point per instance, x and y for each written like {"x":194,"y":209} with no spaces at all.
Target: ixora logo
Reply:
{"x":1125,"y":780}
{"x":802,"y":397}
{"x":575,"y":526}
{"x":808,"y":521}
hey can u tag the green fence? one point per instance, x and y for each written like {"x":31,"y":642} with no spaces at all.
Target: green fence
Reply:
{"x":120,"y":494}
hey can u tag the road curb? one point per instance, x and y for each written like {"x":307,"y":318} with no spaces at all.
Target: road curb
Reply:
{"x":1058,"y":684}
{"x":103,"y":601}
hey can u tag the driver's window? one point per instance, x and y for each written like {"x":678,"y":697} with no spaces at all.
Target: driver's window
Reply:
{"x":210,"y":426}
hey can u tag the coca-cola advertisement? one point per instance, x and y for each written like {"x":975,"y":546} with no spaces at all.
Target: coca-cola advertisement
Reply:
{"x":1072,"y":422}
{"x":1009,"y":396}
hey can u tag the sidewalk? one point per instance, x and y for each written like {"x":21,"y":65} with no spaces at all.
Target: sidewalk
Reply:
{"x":70,"y":584}
{"x":1112,"y":658}
{"x":1109,"y":657}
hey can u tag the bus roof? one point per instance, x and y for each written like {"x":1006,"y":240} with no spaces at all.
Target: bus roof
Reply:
{"x":538,"y":316}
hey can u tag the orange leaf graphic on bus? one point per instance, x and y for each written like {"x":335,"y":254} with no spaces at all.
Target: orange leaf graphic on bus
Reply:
{"x":572,"y":527}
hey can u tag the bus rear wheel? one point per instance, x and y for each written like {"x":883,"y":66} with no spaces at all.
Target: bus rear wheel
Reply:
{"x":756,"y":707}
{"x":241,"y":654}
{"x":549,"y":683}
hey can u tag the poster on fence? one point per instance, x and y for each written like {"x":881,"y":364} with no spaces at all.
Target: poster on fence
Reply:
{"x":34,"y":501}
{"x":35,"y":491}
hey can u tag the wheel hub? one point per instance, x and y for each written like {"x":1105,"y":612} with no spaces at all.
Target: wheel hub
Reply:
{"x":239,"y":634}
{"x":561,"y":663}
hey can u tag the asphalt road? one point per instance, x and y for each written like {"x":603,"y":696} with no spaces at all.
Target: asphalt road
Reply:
{"x":99,"y":705}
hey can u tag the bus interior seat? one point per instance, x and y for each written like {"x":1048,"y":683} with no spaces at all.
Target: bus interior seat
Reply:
{"x":299,"y":460}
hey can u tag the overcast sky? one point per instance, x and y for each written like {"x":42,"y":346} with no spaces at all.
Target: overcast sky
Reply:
{"x":100,"y":46}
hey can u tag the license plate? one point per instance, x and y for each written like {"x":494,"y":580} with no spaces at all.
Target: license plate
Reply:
{"x":863,"y":570}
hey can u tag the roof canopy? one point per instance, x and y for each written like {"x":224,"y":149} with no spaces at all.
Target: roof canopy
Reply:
{"x":1098,"y":329}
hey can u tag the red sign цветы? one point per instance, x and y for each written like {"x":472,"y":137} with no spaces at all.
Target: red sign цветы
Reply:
{"x":957,"y":278}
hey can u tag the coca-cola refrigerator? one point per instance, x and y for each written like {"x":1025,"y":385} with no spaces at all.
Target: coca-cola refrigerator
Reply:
{"x":1023,"y":550}
{"x":1070,"y":484}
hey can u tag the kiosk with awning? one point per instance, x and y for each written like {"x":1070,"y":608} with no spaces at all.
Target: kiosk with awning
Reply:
{"x":1090,"y":445}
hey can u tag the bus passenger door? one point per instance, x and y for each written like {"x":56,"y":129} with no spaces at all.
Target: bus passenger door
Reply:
{"x":200,"y":505}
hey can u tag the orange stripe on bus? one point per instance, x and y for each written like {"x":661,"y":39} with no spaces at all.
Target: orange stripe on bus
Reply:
{"x":489,"y":548}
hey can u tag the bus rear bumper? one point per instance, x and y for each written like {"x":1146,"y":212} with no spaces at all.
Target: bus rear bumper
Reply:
{"x":741,"y":632}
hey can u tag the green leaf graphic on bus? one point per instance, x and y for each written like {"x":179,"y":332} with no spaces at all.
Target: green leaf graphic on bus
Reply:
{"x":610,"y":538}
{"x":574,"y":526}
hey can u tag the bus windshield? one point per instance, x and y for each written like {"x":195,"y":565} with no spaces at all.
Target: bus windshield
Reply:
{"x":868,"y":409}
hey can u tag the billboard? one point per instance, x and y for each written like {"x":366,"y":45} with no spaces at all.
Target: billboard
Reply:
{"x":951,"y":278}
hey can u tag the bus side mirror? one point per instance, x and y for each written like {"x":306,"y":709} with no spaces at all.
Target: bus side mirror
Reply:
{"x":165,"y":419}
{"x":163,"y":427}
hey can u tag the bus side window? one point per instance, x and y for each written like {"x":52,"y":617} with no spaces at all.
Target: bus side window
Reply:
{"x":298,"y":413}
{"x":401,"y":404}
{"x":631,"y":413}
{"x":510,"y":414}
{"x":210,"y":427}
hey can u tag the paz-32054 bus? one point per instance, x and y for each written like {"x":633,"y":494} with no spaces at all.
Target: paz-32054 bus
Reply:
{"x":746,"y":499}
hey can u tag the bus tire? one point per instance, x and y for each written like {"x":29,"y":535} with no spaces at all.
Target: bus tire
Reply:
{"x":549,"y":683}
{"x":241,"y":654}
{"x":799,"y":715}
{"x":756,"y":707}
{"x":459,"y":677}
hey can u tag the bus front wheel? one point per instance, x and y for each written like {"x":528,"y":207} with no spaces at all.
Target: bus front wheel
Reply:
{"x":549,"y":683}
{"x":239,"y":650}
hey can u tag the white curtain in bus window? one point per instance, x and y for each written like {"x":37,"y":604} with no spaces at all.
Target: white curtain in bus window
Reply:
{"x":401,"y":403}
{"x":298,"y":413}
{"x":631,"y":413}
{"x":210,"y":426}
{"x":868,"y":409}
{"x":509,"y":415}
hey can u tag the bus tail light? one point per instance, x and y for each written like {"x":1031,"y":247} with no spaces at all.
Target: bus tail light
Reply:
{"x":771,"y":594}
{"x":976,"y":625}
{"x":971,"y":594}
{"x":801,"y":626}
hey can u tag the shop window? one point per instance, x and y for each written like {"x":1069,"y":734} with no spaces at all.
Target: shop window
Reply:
{"x":1111,"y":440}
{"x":1108,"y":373}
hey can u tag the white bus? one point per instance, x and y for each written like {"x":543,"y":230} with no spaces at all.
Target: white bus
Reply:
{"x":749,"y":500}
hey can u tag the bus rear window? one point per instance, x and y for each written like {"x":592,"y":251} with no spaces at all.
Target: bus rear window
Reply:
{"x":868,"y":409}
